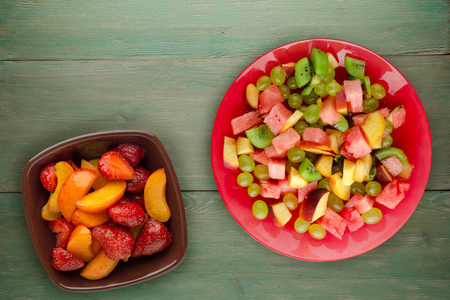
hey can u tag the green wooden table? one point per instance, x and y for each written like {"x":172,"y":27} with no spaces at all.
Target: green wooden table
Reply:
{"x":74,"y":67}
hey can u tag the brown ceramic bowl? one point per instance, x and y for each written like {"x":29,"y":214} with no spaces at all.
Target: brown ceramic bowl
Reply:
{"x":91,"y":146}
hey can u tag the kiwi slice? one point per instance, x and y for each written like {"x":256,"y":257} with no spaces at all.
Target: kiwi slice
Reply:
{"x":319,"y":60}
{"x":342,"y":124}
{"x":260,"y":137}
{"x":303,"y":72}
{"x":355,"y":67}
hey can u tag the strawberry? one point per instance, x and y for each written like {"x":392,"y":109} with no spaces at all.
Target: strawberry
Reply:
{"x":48,"y":177}
{"x":112,"y":165}
{"x":131,"y":152}
{"x":63,"y":260}
{"x":62,"y":230}
{"x":137,"y":184}
{"x":73,"y":165}
{"x":116,"y":241}
{"x":154,"y":237}
{"x":138,"y":198}
{"x":127,"y":214}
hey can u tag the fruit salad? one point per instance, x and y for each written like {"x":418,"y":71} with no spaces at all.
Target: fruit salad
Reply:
{"x":314,"y":150}
{"x":105,"y":211}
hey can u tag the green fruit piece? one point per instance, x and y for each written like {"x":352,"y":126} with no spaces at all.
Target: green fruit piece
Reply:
{"x":342,"y":124}
{"x":303,"y":72}
{"x":308,"y":171}
{"x":355,"y":67}
{"x":260,"y":137}
{"x":319,"y":60}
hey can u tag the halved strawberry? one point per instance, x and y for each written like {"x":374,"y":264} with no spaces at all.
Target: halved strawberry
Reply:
{"x":116,"y":241}
{"x":137,"y":198}
{"x":128,"y":214}
{"x":63,"y":260}
{"x":154,"y":237}
{"x":112,"y":165}
{"x":73,"y":165}
{"x":62,"y":230}
{"x":131,"y":152}
{"x":48,"y":177}
{"x":137,"y":184}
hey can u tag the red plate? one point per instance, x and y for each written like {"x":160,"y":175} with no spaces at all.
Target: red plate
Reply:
{"x":413,"y":138}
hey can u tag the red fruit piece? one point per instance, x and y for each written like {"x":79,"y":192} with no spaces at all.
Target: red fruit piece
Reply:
{"x":63,"y":260}
{"x":62,"y":230}
{"x":137,"y":184}
{"x":127,"y":214}
{"x":154,"y":237}
{"x":48,"y":177}
{"x":131,"y":152}
{"x":73,"y":165}
{"x":117,"y":242}
{"x":112,"y":165}
{"x":137,"y":198}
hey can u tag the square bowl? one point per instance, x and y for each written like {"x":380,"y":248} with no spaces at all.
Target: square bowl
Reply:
{"x":88,"y":147}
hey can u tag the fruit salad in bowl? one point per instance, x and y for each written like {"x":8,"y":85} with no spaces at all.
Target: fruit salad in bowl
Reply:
{"x":312,"y":153}
{"x":104,"y":210}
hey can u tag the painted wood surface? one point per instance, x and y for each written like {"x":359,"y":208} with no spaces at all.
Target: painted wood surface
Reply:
{"x":74,"y":67}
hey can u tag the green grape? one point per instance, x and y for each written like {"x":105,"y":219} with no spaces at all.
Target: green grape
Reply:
{"x":358,"y":188}
{"x":372,"y":216}
{"x":312,"y":113}
{"x":261,"y":172}
{"x":377,"y":91}
{"x":329,"y":76}
{"x":301,"y":226}
{"x":373,"y":188}
{"x":388,"y":127}
{"x":292,"y":83}
{"x":311,"y":98}
{"x":285,"y":91}
{"x":296,"y":155}
{"x":317,"y":231}
{"x":386,"y":141}
{"x":290,"y":200}
{"x":253,"y":190}
{"x":277,"y":75}
{"x":246,"y":163}
{"x":302,"y":109}
{"x":336,"y":168}
{"x":263,"y":82}
{"x":311,"y":156}
{"x":300,"y":127}
{"x":320,"y":89}
{"x":324,"y":183}
{"x":317,"y":124}
{"x":335,"y":203}
{"x":333,"y":88}
{"x":370,"y":105}
{"x":244,"y":179}
{"x":260,"y":209}
{"x":295,"y":100}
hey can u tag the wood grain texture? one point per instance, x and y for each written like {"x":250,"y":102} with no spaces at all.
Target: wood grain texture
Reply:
{"x":413,"y":264}
{"x":43,"y":103}
{"x":64,"y":30}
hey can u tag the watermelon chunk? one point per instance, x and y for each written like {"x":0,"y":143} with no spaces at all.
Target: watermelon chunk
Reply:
{"x":341,"y":103}
{"x":384,"y":112}
{"x":328,"y":112}
{"x":260,"y":156}
{"x":271,"y":152}
{"x":313,"y":134}
{"x":398,"y":117}
{"x":392,"y":194}
{"x":286,"y":140}
{"x":269,"y":189}
{"x":277,"y":169}
{"x":353,"y":95}
{"x":361,"y":203}
{"x":246,"y":121}
{"x":333,"y":223}
{"x":306,"y":190}
{"x":355,"y":145}
{"x":269,"y":98}
{"x":353,"y":218}
{"x":359,"y":119}
{"x":285,"y":188}
{"x":277,"y":117}
{"x":393,"y":165}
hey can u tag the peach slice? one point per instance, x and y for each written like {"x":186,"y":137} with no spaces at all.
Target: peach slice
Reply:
{"x":348,"y":172}
{"x":324,"y":165}
{"x":89,"y":219}
{"x":92,"y":165}
{"x":96,"y":247}
{"x":281,"y":213}
{"x":363,"y":166}
{"x":295,"y":180}
{"x":74,"y":188}
{"x":230,"y":159}
{"x":316,"y":148}
{"x":80,"y":243}
{"x":337,"y":186}
{"x":314,"y":205}
{"x":49,"y":216}
{"x":252,"y":96}
{"x":62,"y":171}
{"x":99,"y":267}
{"x":373,"y":127}
{"x":155,"y":196}
{"x":103,"y":198}
{"x":244,"y":146}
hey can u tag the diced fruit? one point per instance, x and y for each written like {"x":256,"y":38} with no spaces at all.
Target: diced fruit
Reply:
{"x":80,"y":243}
{"x":48,"y":177}
{"x":328,"y":112}
{"x":393,"y":193}
{"x":341,"y":103}
{"x":314,"y":205}
{"x":319,"y":60}
{"x":405,"y":173}
{"x":48,"y":216}
{"x":353,"y":95}
{"x":269,"y":98}
{"x":137,"y":184}
{"x":99,"y":267}
{"x":63,"y":260}
{"x":277,"y":169}
{"x":363,"y":167}
{"x":230,"y":159}
{"x":155,"y":196}
{"x":355,"y":67}
{"x":333,"y":223}
{"x":131,"y":152}
{"x":89,"y":219}
{"x":355,"y":145}
{"x":338,"y":187}
{"x":154,"y":237}
{"x":62,"y":171}
{"x":281,"y":213}
{"x":316,"y":148}
{"x":246,"y":121}
{"x":293,"y":119}
{"x":303,"y":72}
{"x":393,"y":165}
{"x":316,"y":135}
{"x":272,"y":153}
{"x":383,"y":175}
{"x":332,"y":62}
{"x":100,"y":181}
{"x":373,"y":127}
{"x":127,"y":214}
{"x":303,"y":192}
{"x":361,"y":203}
{"x":286,"y":140}
{"x":348,"y":172}
{"x":244,"y":146}
{"x":261,"y":136}
{"x":277,"y":117}
{"x":116,"y":241}
{"x":269,"y":189}
{"x":288,"y":68}
{"x":285,"y":188}
{"x":358,"y":120}
{"x":397,"y":116}
{"x":324,"y":165}
{"x":62,"y":230}
{"x":308,"y":171}
{"x":296,"y":180}
{"x":252,"y":95}
{"x":113,"y":166}
{"x":103,"y":198}
{"x":260,"y":157}
{"x":353,"y":218}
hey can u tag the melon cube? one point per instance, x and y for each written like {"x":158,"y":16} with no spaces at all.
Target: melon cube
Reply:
{"x":285,"y":188}
{"x":328,"y":112}
{"x":246,"y":121}
{"x":260,"y":156}
{"x":286,"y":140}
{"x":313,"y":134}
{"x":244,"y":146}
{"x":306,"y":190}
{"x":355,"y":145}
{"x":277,"y":117}
{"x":269,"y":189}
{"x":392,"y":193}
{"x":354,"y":95}
{"x":269,"y":98}
{"x":393,"y":165}
{"x":277,"y":169}
{"x":353,"y":218}
{"x":333,"y":223}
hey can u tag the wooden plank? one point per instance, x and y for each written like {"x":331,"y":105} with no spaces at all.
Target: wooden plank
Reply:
{"x":43,"y":103}
{"x":52,"y":29}
{"x":413,"y":264}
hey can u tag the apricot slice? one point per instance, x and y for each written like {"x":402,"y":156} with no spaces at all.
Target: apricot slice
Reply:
{"x":99,"y":267}
{"x":80,"y":243}
{"x":89,"y":219}
{"x":76,"y":186}
{"x":102,"y":198}
{"x":62,"y":171}
{"x":96,"y":247}
{"x":92,"y":165}
{"x":155,"y":196}
{"x":48,"y":216}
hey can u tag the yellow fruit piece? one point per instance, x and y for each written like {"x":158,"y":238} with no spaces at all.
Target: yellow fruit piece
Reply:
{"x":62,"y":171}
{"x":324,"y":164}
{"x":93,"y":165}
{"x":332,"y":62}
{"x":281,"y":213}
{"x":337,"y":187}
{"x":48,"y":216}
{"x":244,"y":146}
{"x":155,"y":196}
{"x":362,"y":169}
{"x":103,"y":198}
{"x":99,"y":267}
{"x":348,"y":172}
{"x":230,"y":159}
{"x":80,"y":243}
{"x":373,"y":127}
{"x":295,"y":180}
{"x":292,"y":120}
